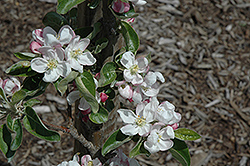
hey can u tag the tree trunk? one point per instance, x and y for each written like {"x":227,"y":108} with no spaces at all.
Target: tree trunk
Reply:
{"x":98,"y":134}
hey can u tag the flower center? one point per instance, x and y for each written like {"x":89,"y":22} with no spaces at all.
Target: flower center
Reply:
{"x":140,"y":121}
{"x":159,"y":109}
{"x":159,"y":137}
{"x":52,"y":64}
{"x":90,"y":163}
{"x":145,"y":88}
{"x":134,"y":69}
{"x":76,"y":53}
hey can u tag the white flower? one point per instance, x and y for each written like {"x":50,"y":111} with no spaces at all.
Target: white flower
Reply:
{"x":159,"y":139}
{"x":87,"y":161}
{"x":150,"y":86}
{"x":138,"y":2}
{"x":75,"y":55}
{"x":124,"y":89}
{"x":52,"y":65}
{"x":73,"y":162}
{"x":138,"y":123}
{"x":10,"y":86}
{"x":133,"y":67}
{"x":165,"y":113}
{"x":64,"y":36}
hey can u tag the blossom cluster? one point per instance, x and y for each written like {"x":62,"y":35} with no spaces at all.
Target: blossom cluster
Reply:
{"x":10,"y":85}
{"x":60,"y":52}
{"x":151,"y":119}
{"x":86,"y":160}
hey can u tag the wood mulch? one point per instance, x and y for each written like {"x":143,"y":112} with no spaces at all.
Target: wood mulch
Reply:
{"x":202,"y":49}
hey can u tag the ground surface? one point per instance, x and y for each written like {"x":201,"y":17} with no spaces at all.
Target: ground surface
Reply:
{"x":201,"y":47}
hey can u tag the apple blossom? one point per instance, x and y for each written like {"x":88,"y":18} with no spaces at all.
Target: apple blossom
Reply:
{"x":75,"y":55}
{"x":138,"y":123}
{"x":37,"y":35}
{"x":10,"y":86}
{"x":52,"y":65}
{"x":124,"y":89}
{"x":133,"y":67}
{"x":159,"y":139}
{"x":165,"y":113}
{"x":64,"y":36}
{"x":34,"y":46}
{"x":73,"y":162}
{"x":120,"y":7}
{"x":86,"y":160}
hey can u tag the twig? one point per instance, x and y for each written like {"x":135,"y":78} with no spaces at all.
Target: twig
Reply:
{"x":87,"y":144}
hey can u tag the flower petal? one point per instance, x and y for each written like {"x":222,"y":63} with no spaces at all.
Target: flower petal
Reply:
{"x":128,"y":59}
{"x":127,"y":115}
{"x":129,"y":129}
{"x":83,"y":44}
{"x":142,"y":64}
{"x":87,"y":59}
{"x":39,"y":65}
{"x":165,"y":145}
{"x":51,"y":76}
{"x":66,"y":34}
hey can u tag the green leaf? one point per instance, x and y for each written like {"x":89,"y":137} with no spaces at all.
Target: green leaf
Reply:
{"x":186,"y":134}
{"x":97,"y":29}
{"x":93,"y":4}
{"x":18,"y":96}
{"x":88,"y":82}
{"x":107,"y":74}
{"x":34,"y":86}
{"x":2,"y":95}
{"x":100,"y":117}
{"x":100,"y":45}
{"x":34,"y":125}
{"x":180,"y":152}
{"x":130,"y":36}
{"x":21,"y":68}
{"x":9,"y":122}
{"x":65,"y":5}
{"x":114,"y":141}
{"x":86,"y":94}
{"x":17,"y":128}
{"x":63,"y":84}
{"x":7,"y":141}
{"x":83,"y":31}
{"x":54,"y":20}
{"x":25,"y":55}
{"x":31,"y":102}
{"x":3,"y":145}
{"x":138,"y":149}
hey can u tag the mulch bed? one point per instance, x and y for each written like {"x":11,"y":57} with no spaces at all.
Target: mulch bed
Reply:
{"x":202,"y":49}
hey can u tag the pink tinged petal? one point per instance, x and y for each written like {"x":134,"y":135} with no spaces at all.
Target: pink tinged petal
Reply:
{"x":34,"y":46}
{"x":103,"y":97}
{"x":83,"y":104}
{"x":119,"y":83}
{"x":38,"y":36}
{"x":45,"y":49}
{"x":127,"y":116}
{"x":126,"y":91}
{"x":120,"y":7}
{"x":83,"y":44}
{"x":137,"y":79}
{"x":85,"y":159}
{"x":51,"y":76}
{"x":142,"y":64}
{"x":66,"y":34}
{"x":73,"y":96}
{"x":129,"y":129}
{"x":165,"y":145}
{"x":39,"y":65}
{"x":86,"y":59}
{"x":128,"y":59}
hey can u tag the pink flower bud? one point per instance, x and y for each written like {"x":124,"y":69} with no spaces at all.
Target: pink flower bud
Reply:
{"x":103,"y":97}
{"x":120,"y":7}
{"x":174,"y":126}
{"x":10,"y":86}
{"x":38,"y":36}
{"x":34,"y":46}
